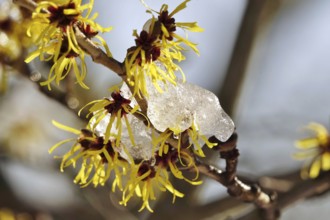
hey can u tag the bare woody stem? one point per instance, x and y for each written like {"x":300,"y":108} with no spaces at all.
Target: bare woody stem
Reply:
{"x":98,"y":55}
{"x":29,"y":4}
{"x":236,"y":187}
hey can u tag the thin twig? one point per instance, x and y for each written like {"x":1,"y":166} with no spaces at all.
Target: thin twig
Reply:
{"x":302,"y":190}
{"x":28,"y":4}
{"x":98,"y":55}
{"x":235,"y":187}
{"x":305,"y":189}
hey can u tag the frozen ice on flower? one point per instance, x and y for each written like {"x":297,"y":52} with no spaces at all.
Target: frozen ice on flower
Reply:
{"x":166,"y":110}
{"x":181,"y":105}
{"x":142,"y":150}
{"x":178,"y":107}
{"x":210,"y":117}
{"x":142,"y":147}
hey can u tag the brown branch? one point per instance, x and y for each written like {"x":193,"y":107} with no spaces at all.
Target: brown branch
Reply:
{"x":235,"y":187}
{"x":305,"y":189}
{"x":268,"y":205}
{"x":55,"y":94}
{"x":28,"y":4}
{"x":242,"y":191}
{"x":98,"y":55}
{"x":302,"y":190}
{"x":292,"y":190}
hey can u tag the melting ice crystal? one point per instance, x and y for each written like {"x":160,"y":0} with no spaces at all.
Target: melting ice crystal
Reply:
{"x":181,"y":105}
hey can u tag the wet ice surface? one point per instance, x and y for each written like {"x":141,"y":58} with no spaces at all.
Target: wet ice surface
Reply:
{"x":142,"y":147}
{"x":142,"y":139}
{"x":182,"y":105}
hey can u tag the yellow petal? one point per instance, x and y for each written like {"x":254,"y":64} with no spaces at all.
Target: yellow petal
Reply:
{"x":307,"y":143}
{"x":304,"y":155}
{"x":326,"y":161}
{"x":65,"y":128}
{"x":191,"y":26}
{"x":320,"y":130}
{"x":32,"y":56}
{"x":180,"y":7}
{"x":315,"y":168}
{"x":59,"y":144}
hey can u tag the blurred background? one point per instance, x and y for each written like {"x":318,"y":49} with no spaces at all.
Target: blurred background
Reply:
{"x":268,"y":62}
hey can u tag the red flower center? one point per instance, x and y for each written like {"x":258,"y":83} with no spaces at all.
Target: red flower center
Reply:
{"x":147,"y":42}
{"x":57,"y":14}
{"x":118,"y":103}
{"x":168,"y":22}
{"x":144,"y":168}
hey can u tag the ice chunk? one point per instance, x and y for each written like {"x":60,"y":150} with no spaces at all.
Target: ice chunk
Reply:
{"x":210,"y":117}
{"x":142,"y":148}
{"x":181,"y":105}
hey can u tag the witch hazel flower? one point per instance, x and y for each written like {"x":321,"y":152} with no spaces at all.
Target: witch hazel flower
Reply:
{"x":97,"y":158}
{"x":113,"y":112}
{"x":53,"y":28}
{"x":157,"y":49}
{"x":315,"y":150}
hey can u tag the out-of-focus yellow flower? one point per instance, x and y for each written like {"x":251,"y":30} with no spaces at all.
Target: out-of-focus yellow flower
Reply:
{"x":316,"y":149}
{"x":98,"y":158}
{"x":8,"y":214}
{"x":13,"y":39}
{"x":3,"y":78}
{"x":157,"y":49}
{"x":53,"y":30}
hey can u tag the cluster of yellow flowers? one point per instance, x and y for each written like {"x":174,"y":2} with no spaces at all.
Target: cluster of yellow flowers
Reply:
{"x":103,"y":156}
{"x":316,"y":151}
{"x":53,"y":28}
{"x":134,"y":177}
{"x":156,"y":50}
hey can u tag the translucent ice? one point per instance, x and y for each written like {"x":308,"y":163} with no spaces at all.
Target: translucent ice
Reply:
{"x":179,"y":106}
{"x":142,"y":147}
